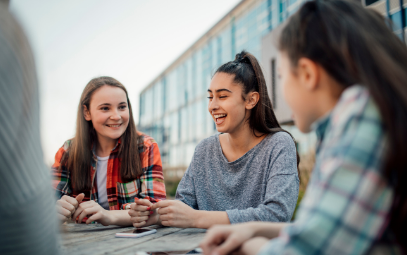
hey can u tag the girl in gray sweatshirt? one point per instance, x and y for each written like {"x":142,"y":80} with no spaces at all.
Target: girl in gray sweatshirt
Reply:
{"x":246,"y":172}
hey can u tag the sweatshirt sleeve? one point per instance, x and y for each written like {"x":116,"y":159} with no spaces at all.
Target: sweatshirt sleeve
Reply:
{"x":61,"y":179}
{"x":282,"y":189}
{"x":186,"y":188}
{"x":28,"y":222}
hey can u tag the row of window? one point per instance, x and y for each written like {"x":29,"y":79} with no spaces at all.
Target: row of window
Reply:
{"x":174,"y":110}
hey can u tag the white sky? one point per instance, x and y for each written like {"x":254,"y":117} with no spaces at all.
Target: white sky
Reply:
{"x":131,"y":40}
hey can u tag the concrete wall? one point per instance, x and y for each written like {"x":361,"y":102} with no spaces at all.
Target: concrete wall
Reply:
{"x":269,"y":55}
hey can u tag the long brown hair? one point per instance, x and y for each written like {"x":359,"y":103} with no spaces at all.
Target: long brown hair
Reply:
{"x":79,"y":154}
{"x":355,"y":46}
{"x":247,"y":72}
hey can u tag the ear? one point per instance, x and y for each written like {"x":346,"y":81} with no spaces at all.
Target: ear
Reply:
{"x":86,"y":113}
{"x":308,"y":73}
{"x":252,"y":99}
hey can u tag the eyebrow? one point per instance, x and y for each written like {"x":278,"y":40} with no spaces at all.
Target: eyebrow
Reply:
{"x":220,"y":90}
{"x":107,"y":104}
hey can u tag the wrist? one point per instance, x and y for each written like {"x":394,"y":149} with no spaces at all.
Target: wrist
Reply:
{"x":197,"y":218}
{"x":111,"y":217}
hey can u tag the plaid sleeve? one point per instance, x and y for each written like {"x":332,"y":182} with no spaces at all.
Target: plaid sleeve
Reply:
{"x":337,"y":215}
{"x":346,"y":205}
{"x":61,"y":181}
{"x":152,"y":179}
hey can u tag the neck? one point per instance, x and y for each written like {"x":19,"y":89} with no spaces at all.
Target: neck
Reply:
{"x":328,"y":95}
{"x":104,"y":146}
{"x":243,"y":139}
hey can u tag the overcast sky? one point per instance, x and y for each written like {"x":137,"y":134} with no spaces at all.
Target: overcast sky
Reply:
{"x":131,"y":40}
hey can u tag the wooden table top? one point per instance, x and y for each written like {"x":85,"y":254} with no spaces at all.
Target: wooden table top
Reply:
{"x":98,"y":239}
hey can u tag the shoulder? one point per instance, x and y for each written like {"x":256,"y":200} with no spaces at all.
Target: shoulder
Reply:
{"x":207,"y":143}
{"x":280,"y":140}
{"x":355,"y":103}
{"x":146,"y":142}
{"x":356,"y":114}
{"x":65,"y":147}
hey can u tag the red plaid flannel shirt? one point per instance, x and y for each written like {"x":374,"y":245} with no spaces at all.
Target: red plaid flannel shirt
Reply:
{"x":150,"y":185}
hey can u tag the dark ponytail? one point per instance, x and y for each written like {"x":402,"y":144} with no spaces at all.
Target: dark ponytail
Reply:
{"x":355,"y":46}
{"x":248,"y":73}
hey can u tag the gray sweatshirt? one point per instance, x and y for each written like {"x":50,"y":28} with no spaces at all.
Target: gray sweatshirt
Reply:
{"x":262,"y":185}
{"x":28,"y":221}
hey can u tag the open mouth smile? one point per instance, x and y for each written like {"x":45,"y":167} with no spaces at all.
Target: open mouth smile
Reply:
{"x":219,"y":118}
{"x":114,"y":126}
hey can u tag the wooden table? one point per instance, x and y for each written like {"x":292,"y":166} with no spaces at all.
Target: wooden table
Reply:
{"x":98,"y":239}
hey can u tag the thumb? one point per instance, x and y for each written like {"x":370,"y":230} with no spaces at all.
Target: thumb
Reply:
{"x":80,"y":197}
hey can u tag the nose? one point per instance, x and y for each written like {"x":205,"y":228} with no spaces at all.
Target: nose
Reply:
{"x":213,"y":105}
{"x":115,"y":116}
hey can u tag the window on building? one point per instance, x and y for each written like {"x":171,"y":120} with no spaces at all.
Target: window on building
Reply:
{"x":369,"y":2}
{"x":273,"y":83}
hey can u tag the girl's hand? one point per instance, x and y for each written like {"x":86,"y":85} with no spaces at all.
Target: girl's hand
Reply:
{"x":94,"y":212}
{"x":222,"y":239}
{"x":67,"y":205}
{"x":141,"y":213}
{"x":176,"y":214}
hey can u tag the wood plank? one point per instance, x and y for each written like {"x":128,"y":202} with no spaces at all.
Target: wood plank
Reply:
{"x":99,"y":240}
{"x":184,"y":240}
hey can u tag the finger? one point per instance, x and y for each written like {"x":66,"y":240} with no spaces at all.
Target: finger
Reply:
{"x":66,"y":205}
{"x":166,"y":217}
{"x":144,"y":202}
{"x":80,"y":208}
{"x":134,"y":213}
{"x":94,"y":217}
{"x":137,"y":207}
{"x":86,"y":212}
{"x":166,"y":223}
{"x":79,"y":198}
{"x":230,"y":244}
{"x":212,"y":239}
{"x":165,"y":210}
{"x":70,"y":200}
{"x":138,"y":219}
{"x":63,"y":211}
{"x":140,"y":224}
{"x":162,"y":204}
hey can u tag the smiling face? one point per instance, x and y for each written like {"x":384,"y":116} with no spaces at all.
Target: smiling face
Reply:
{"x":109,"y":112}
{"x":226,"y":105}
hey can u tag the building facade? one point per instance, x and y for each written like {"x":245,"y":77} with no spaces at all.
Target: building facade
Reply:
{"x":173,"y":107}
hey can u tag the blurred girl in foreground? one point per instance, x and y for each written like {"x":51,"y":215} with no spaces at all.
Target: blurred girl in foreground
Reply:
{"x":108,"y":163}
{"x":248,"y":172}
{"x":344,"y":75}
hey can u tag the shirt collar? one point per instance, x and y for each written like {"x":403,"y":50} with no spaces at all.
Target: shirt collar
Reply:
{"x":320,"y":125}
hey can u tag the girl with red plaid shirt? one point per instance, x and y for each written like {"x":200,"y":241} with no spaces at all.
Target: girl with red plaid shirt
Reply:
{"x":108,"y":163}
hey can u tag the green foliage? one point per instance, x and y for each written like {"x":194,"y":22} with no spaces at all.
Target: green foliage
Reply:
{"x":171,"y":188}
{"x":300,"y":196}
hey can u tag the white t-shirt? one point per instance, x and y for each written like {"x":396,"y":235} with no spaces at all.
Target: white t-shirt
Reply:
{"x":101,"y":172}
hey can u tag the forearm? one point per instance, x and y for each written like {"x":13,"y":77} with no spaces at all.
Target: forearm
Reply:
{"x":206,"y":219}
{"x":120,"y":218}
{"x":268,"y":230}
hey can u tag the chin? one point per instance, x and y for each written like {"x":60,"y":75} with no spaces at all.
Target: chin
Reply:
{"x":302,"y":127}
{"x":222,"y":130}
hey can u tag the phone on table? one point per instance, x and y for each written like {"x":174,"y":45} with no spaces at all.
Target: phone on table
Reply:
{"x":136,"y":233}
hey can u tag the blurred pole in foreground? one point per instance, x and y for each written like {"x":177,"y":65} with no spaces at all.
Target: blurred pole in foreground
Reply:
{"x":28,"y":223}
{"x":5,"y":3}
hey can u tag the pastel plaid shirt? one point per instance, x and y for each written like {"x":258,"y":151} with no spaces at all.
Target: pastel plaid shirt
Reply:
{"x":150,"y":185}
{"x":346,"y":206}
